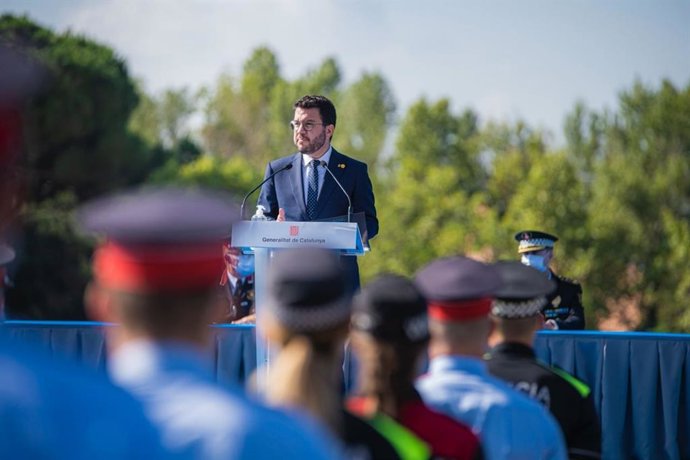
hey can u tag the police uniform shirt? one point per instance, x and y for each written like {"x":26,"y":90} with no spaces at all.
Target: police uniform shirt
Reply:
{"x":568,"y":399}
{"x":564,"y":305}
{"x":201,"y":420}
{"x":52,"y":409}
{"x":509,"y":425}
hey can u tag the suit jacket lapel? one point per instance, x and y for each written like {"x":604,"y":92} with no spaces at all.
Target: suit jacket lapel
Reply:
{"x":296,"y":183}
{"x":329,"y":184}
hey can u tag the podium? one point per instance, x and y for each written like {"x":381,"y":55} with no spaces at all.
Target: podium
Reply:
{"x":264,"y":238}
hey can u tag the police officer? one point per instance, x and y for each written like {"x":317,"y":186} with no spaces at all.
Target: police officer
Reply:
{"x":50,"y":407}
{"x":459,"y":293}
{"x":516,"y":315}
{"x":389,"y":335}
{"x":563,"y":309}
{"x":307,"y":316}
{"x":156,"y":276}
{"x":237,"y":283}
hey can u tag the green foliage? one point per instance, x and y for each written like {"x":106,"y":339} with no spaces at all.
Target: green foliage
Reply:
{"x":55,"y":264}
{"x":617,"y":195}
{"x":78,"y":126}
{"x":431,"y":134}
{"x":366,"y":108}
{"x":249,"y":115}
{"x":234,"y":175}
{"x":641,"y":205}
{"x":77,"y":146}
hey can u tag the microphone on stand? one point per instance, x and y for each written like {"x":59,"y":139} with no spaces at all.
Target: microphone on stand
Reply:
{"x":284,"y":168}
{"x":349,"y":202}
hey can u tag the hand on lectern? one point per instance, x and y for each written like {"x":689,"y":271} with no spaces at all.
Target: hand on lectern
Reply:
{"x":281,"y":215}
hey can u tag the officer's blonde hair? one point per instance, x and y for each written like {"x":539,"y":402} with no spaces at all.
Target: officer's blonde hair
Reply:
{"x":307,"y":371}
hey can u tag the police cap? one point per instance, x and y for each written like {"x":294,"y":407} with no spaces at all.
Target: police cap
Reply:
{"x":523,"y":292}
{"x":391,"y":309}
{"x":159,"y":239}
{"x":458,"y":288}
{"x":308,"y":290}
{"x":533,"y":240}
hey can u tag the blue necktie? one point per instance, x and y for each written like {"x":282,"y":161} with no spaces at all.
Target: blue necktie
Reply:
{"x":313,"y":189}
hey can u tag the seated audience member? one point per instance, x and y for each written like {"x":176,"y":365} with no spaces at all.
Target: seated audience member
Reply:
{"x":307,"y":316}
{"x":563,"y":307}
{"x":156,"y":275}
{"x":516,"y":314}
{"x":389,"y":336}
{"x":237,"y":283}
{"x":459,"y":293}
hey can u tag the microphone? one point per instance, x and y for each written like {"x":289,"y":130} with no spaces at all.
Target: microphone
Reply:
{"x":284,"y":168}
{"x":349,"y":202}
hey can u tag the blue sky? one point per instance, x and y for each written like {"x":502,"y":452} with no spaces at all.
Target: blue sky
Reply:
{"x":505,"y":59}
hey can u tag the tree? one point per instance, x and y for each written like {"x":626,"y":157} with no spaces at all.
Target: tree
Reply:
{"x":78,"y":126}
{"x":431,"y":134}
{"x":77,"y":146}
{"x":640,"y":204}
{"x":365,"y":114}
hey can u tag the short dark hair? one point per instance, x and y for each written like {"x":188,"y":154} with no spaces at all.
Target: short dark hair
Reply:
{"x":163,"y":314}
{"x":325,"y":106}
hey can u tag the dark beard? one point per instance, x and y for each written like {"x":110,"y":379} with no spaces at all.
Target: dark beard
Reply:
{"x":315,"y":145}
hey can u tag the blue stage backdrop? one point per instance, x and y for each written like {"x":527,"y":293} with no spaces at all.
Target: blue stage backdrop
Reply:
{"x":640,"y":381}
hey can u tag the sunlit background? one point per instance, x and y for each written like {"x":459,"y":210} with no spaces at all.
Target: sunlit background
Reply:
{"x":478,"y":119}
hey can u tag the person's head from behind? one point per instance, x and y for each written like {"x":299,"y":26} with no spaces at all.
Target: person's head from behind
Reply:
{"x":536,"y":248}
{"x":156,"y":274}
{"x":459,"y":293}
{"x":313,"y":124}
{"x":307,"y":316}
{"x":516,"y":311}
{"x":389,"y":335}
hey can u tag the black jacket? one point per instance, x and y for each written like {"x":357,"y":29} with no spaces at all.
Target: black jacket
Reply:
{"x":568,"y":399}
{"x":564,"y":305}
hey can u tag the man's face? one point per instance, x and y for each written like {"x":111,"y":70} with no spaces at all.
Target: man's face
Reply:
{"x":315,"y":141}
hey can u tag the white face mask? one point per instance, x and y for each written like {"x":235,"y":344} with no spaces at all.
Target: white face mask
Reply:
{"x":534,"y":261}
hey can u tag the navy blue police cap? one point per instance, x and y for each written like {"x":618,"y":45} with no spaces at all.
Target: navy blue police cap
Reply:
{"x":391,"y":309}
{"x":458,"y":288}
{"x":534,"y":240}
{"x":167,"y":239}
{"x":523,"y":293}
{"x":308,"y":290}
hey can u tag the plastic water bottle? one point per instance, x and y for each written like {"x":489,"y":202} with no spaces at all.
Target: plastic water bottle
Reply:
{"x":259,"y":214}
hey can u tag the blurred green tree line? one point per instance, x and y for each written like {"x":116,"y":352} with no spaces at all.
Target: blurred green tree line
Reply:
{"x":446,"y":182}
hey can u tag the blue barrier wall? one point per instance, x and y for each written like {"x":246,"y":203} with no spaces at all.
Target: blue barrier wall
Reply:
{"x":640,"y":381}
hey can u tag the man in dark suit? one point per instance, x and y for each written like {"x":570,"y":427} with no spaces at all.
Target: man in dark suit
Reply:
{"x":307,"y":192}
{"x":563,"y":309}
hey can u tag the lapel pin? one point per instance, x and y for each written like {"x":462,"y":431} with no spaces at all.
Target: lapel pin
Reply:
{"x":341,"y":165}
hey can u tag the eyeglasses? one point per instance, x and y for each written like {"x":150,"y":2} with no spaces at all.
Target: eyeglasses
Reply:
{"x":307,"y":125}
